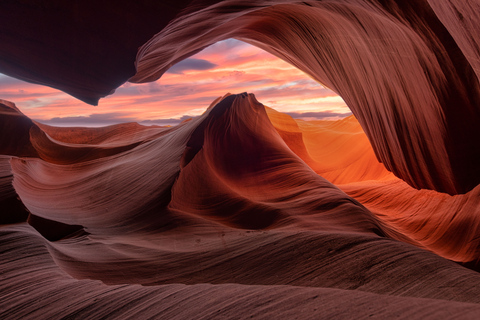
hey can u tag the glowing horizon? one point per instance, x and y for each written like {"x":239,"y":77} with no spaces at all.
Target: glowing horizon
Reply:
{"x":185,"y":91}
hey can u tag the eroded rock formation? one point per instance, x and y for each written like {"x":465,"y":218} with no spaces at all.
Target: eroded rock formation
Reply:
{"x":407,"y":69}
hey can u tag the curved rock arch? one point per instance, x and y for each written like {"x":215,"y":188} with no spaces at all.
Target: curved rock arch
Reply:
{"x":408,"y":70}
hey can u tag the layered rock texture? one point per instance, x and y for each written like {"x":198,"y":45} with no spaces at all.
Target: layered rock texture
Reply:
{"x":243,"y":211}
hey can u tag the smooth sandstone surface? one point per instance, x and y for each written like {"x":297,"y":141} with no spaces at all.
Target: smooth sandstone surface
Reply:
{"x":407,"y":69}
{"x":220,"y":217}
{"x":245,"y":212}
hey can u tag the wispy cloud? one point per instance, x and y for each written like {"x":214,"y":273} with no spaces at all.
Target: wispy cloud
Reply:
{"x":94,"y":120}
{"x":106,"y":119}
{"x":322,"y":115}
{"x":186,"y":89}
{"x":190,"y":65}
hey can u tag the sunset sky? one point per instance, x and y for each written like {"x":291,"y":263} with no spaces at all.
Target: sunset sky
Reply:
{"x":186,"y":90}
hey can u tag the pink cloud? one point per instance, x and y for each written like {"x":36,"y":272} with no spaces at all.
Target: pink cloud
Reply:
{"x":228,"y":66}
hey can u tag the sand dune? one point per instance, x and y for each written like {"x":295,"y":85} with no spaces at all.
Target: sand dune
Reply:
{"x":244,"y":212}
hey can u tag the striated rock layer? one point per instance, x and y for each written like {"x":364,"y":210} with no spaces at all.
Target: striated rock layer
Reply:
{"x":225,"y":216}
{"x":409,"y":70}
{"x":234,"y":214}
{"x":339,"y":151}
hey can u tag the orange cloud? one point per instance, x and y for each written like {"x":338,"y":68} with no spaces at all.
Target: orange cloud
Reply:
{"x":186,"y":89}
